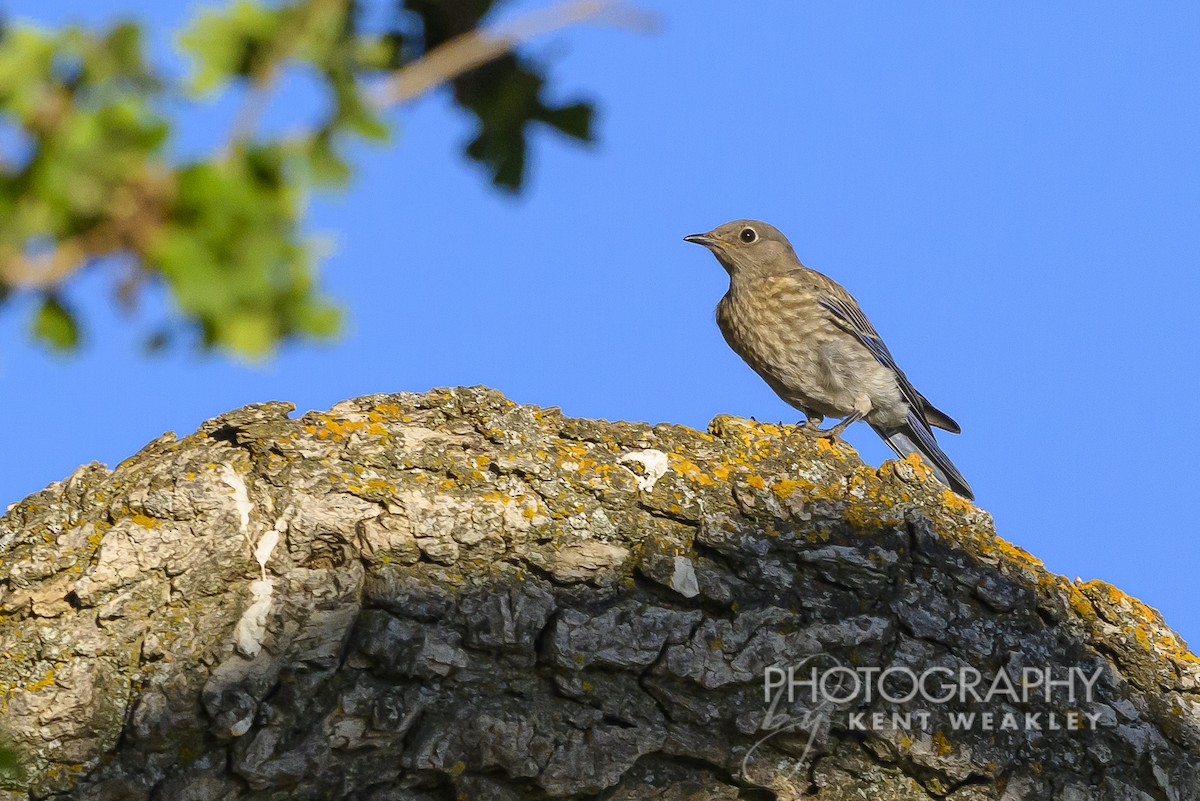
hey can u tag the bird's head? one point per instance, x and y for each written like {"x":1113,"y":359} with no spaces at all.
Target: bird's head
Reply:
{"x":748,"y":248}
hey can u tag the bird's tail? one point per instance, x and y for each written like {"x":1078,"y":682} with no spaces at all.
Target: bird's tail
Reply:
{"x":915,"y":436}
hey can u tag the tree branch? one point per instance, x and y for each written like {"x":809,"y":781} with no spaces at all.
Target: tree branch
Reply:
{"x":473,"y":49}
{"x":258,"y":94}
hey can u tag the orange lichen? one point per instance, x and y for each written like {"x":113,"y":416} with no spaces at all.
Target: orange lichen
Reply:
{"x":573,"y":450}
{"x":1078,"y":601}
{"x":786,"y":487}
{"x":1141,"y":622}
{"x":993,"y":545}
{"x":826,"y":444}
{"x":45,"y":681}
{"x":383,"y":412}
{"x":692,"y":471}
{"x":956,"y":502}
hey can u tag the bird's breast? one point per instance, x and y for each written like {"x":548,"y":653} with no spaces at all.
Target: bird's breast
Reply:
{"x":788,"y":338}
{"x":773,"y":325}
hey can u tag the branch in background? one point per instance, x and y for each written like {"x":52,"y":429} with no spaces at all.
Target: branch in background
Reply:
{"x":258,"y":95}
{"x":47,"y":270}
{"x":137,"y":209}
{"x":476,"y":48}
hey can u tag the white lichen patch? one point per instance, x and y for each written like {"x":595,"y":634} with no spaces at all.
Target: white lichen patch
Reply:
{"x":241,"y":497}
{"x":243,"y":506}
{"x":242,"y":726}
{"x":654,"y":464}
{"x":262,"y":552}
{"x":683,"y":579}
{"x":252,"y":626}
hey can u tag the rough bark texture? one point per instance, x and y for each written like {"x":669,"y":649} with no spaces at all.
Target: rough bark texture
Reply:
{"x":440,"y":596}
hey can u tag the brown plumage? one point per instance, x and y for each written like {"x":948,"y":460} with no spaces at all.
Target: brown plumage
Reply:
{"x":808,"y":339}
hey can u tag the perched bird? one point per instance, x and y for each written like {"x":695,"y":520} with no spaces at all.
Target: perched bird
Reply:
{"x":807,"y":338}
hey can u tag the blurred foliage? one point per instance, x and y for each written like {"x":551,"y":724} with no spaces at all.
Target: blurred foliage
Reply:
{"x":86,"y":173}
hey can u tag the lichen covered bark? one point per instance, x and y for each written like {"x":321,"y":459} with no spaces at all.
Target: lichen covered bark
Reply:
{"x":419,"y":597}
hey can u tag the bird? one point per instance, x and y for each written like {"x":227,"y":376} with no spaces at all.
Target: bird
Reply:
{"x":806,"y":336}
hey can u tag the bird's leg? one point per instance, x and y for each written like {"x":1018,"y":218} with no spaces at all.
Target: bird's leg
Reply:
{"x":811,"y":421}
{"x":833,"y":432}
{"x":862,"y":407}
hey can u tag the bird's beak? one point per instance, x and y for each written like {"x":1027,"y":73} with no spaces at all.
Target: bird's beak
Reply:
{"x":707,"y":240}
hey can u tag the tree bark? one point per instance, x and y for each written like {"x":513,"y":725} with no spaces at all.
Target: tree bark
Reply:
{"x":450,"y":596}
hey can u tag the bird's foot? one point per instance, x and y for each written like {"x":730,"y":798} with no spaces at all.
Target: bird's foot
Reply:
{"x":810,"y":421}
{"x":834,"y":432}
{"x":812,"y":428}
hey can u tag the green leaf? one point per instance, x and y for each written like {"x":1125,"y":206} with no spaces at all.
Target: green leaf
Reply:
{"x":574,"y":120}
{"x":26,"y":61}
{"x":376,"y":52}
{"x":234,"y":257}
{"x":356,"y":115}
{"x":55,"y":325}
{"x":322,"y":35}
{"x":319,"y":319}
{"x":325,"y":165}
{"x":231,"y":42}
{"x":506,"y":96}
{"x":124,"y":45}
{"x":248,"y":334}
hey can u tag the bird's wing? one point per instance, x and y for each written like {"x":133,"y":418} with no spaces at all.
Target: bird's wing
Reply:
{"x":849,"y":317}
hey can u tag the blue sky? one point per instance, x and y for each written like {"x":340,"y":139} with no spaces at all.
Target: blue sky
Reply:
{"x":1011,"y":191}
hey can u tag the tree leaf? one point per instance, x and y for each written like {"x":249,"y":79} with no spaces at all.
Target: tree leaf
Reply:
{"x":55,"y":325}
{"x":230,"y":42}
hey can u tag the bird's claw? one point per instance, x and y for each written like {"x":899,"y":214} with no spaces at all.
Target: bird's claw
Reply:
{"x":833,"y":432}
{"x":812,"y":428}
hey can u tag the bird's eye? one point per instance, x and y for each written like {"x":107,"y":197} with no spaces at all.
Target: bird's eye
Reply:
{"x":748,"y":235}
